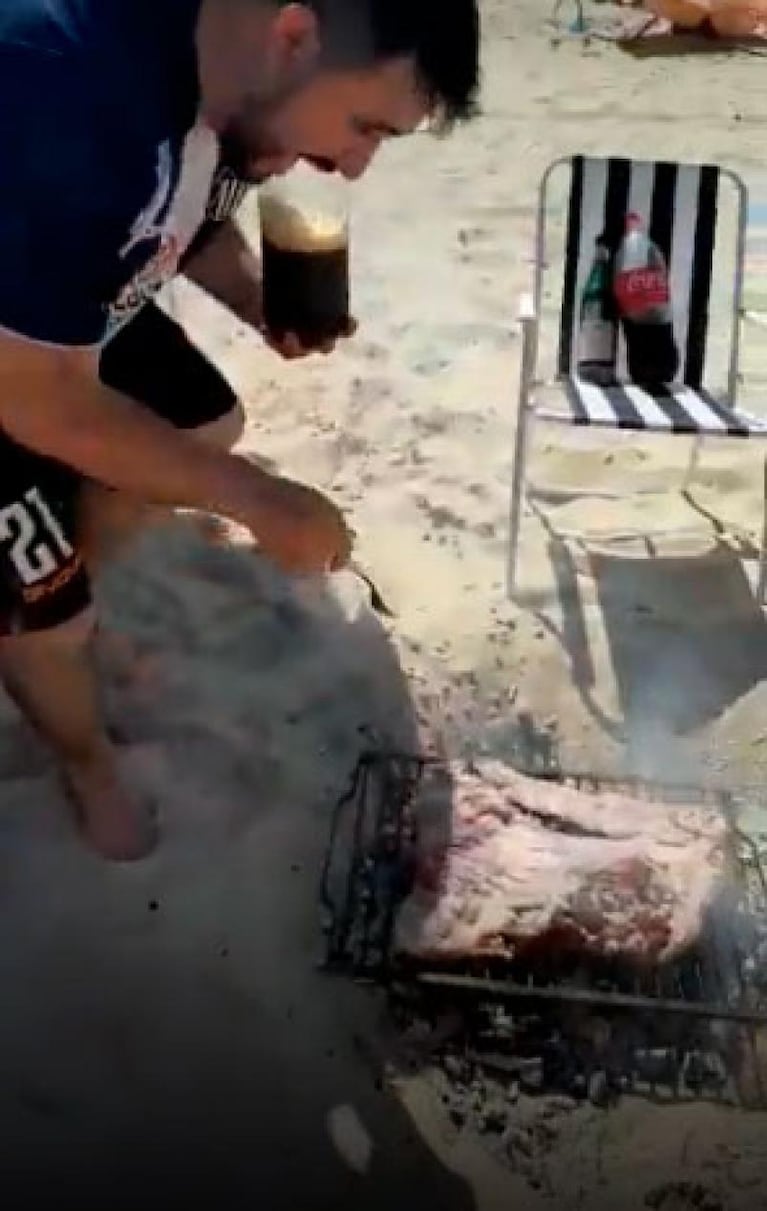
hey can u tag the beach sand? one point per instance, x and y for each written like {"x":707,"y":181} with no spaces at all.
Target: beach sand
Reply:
{"x":165,"y":1031}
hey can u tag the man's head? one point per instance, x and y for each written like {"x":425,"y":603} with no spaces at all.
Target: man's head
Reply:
{"x":329,"y":80}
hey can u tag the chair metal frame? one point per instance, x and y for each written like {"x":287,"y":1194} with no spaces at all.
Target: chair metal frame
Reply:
{"x":529,"y":317}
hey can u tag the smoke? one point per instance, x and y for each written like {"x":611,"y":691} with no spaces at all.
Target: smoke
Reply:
{"x":656,"y":715}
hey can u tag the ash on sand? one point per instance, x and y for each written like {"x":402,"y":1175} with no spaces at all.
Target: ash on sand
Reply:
{"x":528,"y":1088}
{"x":520,"y":1129}
{"x":682,"y":1196}
{"x":547,"y":1095}
{"x":590,"y":1149}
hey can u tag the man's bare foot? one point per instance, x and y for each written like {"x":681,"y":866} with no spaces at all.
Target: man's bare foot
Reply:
{"x":220,"y":531}
{"x":112,"y":820}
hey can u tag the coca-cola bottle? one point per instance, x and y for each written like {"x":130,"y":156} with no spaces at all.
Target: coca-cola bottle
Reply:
{"x":643,"y":299}
{"x":598,"y":331}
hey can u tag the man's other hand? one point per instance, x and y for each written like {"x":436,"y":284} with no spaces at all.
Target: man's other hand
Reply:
{"x":289,"y":346}
{"x":299,"y":528}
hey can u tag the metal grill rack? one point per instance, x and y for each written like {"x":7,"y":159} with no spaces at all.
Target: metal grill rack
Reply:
{"x":718,"y":991}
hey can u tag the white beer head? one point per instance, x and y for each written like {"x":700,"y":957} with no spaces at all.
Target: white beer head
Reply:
{"x":293,"y":229}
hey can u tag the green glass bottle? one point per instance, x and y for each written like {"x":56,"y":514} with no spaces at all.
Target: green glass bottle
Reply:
{"x":598,"y":328}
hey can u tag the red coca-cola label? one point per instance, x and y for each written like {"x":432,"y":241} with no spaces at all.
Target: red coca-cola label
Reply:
{"x":639,"y":290}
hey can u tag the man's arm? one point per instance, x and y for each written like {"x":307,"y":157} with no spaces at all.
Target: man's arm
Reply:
{"x":52,"y":402}
{"x":227,"y":268}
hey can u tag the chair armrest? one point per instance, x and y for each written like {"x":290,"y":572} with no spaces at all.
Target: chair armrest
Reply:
{"x":526,"y":313}
{"x":528,"y":322}
{"x":758,"y":318}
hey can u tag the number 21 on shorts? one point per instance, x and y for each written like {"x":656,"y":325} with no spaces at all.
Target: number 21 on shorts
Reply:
{"x":38,"y":543}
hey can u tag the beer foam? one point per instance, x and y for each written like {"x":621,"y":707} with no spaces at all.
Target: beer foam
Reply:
{"x":293,"y":230}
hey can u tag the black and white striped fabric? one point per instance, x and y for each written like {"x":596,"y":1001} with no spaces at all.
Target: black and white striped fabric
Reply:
{"x":679,"y":409}
{"x":678,"y":206}
{"x":227,"y":193}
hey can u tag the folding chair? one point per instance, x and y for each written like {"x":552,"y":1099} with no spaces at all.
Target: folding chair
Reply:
{"x":679,"y":206}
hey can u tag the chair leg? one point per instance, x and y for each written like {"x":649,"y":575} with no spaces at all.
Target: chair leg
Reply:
{"x":528,"y":321}
{"x":692,"y":467}
{"x":517,"y":493}
{"x":761,"y":588}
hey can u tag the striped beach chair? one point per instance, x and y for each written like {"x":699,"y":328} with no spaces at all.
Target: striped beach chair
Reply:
{"x":678,"y":206}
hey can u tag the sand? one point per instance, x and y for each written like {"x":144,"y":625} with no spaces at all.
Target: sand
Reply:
{"x":164,"y":1029}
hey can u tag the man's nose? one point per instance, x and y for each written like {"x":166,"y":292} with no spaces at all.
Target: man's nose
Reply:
{"x":272,"y":166}
{"x":356,"y":162}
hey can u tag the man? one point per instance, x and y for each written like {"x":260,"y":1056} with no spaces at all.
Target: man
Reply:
{"x":115,"y":116}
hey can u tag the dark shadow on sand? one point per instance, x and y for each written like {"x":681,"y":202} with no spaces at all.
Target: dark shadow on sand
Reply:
{"x":166,"y":1031}
{"x":686,"y":636}
{"x":684,"y":44}
{"x":567,"y":624}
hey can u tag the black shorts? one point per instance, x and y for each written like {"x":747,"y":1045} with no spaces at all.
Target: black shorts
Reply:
{"x":43,"y":581}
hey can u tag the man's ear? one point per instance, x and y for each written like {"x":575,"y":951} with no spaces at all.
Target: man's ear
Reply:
{"x":296,"y":38}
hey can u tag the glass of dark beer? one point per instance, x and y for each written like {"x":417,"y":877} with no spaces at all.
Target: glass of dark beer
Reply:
{"x":305,"y":255}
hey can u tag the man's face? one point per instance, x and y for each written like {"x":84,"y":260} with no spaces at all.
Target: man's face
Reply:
{"x":334,"y":119}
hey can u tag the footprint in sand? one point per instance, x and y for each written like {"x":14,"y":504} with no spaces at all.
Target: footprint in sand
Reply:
{"x":350,"y":1138}
{"x":683,"y":1196}
{"x":370,"y":351}
{"x":364,"y":392}
{"x":440,"y":516}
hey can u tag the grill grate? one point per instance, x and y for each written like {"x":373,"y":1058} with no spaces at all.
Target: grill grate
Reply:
{"x":368,"y":862}
{"x":369,"y":866}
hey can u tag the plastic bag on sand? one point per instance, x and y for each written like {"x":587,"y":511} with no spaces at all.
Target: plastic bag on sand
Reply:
{"x":740,"y":18}
{"x":686,"y":14}
{"x":728,"y":18}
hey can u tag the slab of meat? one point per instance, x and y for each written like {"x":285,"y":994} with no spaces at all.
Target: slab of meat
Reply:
{"x":508,"y":863}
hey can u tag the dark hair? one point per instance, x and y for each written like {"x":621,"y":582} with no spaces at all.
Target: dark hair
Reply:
{"x":442,"y":36}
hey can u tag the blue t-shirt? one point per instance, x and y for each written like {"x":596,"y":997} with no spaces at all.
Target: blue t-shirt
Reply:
{"x":105,"y":170}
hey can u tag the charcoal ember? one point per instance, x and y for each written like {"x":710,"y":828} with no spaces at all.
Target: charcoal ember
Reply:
{"x":596,"y":1034}
{"x":500,"y":1064}
{"x":519,"y":1143}
{"x":656,"y":1065}
{"x":456,"y":1068}
{"x":446,"y":1026}
{"x":478,"y":1096}
{"x":600,"y":1090}
{"x":527,"y":1141}
{"x":531,"y":1076}
{"x":619,"y":1059}
{"x":755,"y":965}
{"x":545,"y":1135}
{"x":704,"y":1071}
{"x":716,"y":1075}
{"x":750,"y":1068}
{"x":578,"y":1087}
{"x":494,"y":1117}
{"x":418,"y":1031}
{"x":457,"y":1101}
{"x":683,"y":1196}
{"x":501,"y":1021}
{"x":620,"y":1082}
{"x":558,"y":1104}
{"x":560,"y":1064}
{"x":693,"y":1072}
{"x":405,"y":1001}
{"x":723,"y":1039}
{"x":389,"y":881}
